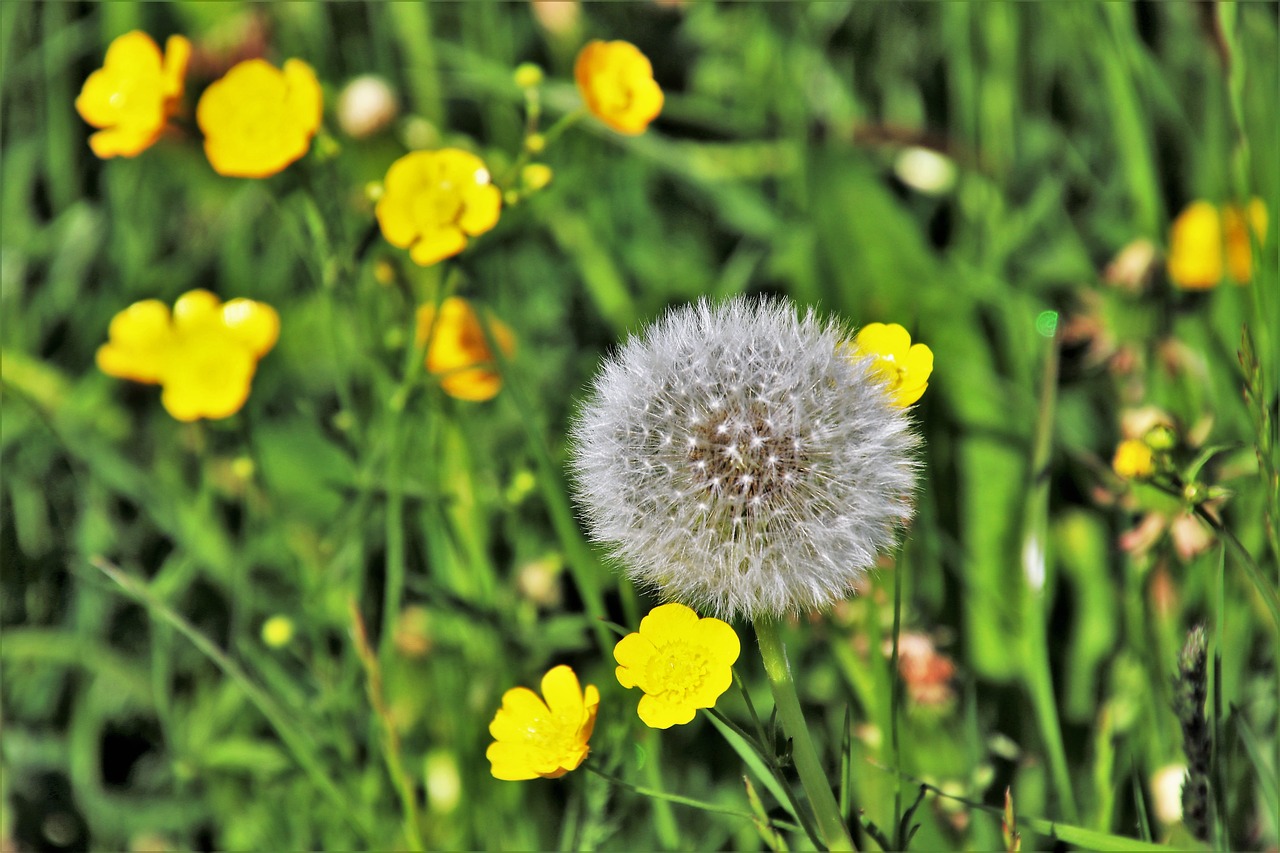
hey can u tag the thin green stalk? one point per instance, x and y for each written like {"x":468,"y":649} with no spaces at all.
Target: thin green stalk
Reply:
{"x":1036,"y":666}
{"x":296,"y":742}
{"x":823,"y":802}
{"x":390,"y":737}
{"x":1079,"y":836}
{"x":1220,"y":769}
{"x":895,"y":693}
{"x":760,"y":759}
{"x":1259,"y":580}
{"x":583,"y":566}
{"x":664,"y":819}
{"x":684,"y":801}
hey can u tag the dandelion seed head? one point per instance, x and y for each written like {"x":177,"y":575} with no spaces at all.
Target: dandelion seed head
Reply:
{"x":738,"y":459}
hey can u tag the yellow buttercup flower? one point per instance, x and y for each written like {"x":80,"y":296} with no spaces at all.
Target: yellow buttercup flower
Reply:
{"x":616,"y":81}
{"x":681,"y":662}
{"x":536,"y":738}
{"x":203,"y":355}
{"x":1199,"y":236}
{"x":258,"y":119}
{"x":133,"y":94}
{"x":458,"y":352}
{"x":905,"y":367}
{"x":433,"y":200}
{"x":1133,"y":460}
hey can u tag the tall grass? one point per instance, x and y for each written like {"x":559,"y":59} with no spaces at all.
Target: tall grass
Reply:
{"x":426,"y":549}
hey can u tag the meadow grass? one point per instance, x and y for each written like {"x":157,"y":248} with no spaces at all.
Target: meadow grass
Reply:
{"x":1023,"y":640}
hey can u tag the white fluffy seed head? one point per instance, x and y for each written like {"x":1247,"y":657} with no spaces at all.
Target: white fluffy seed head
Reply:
{"x":737,"y":459}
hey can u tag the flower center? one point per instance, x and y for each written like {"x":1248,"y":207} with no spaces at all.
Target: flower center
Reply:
{"x":676,"y":671}
{"x":743,"y":459}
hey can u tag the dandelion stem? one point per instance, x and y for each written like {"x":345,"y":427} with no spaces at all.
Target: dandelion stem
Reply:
{"x":825,"y":809}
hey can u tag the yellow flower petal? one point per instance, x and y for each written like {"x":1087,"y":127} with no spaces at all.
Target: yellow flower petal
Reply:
{"x":633,"y":653}
{"x":303,"y":97}
{"x":510,"y":762}
{"x":563,"y":693}
{"x":480,"y":209}
{"x":658,"y":714}
{"x":256,"y":324}
{"x":1205,"y":242}
{"x":668,"y":623}
{"x":207,"y":376}
{"x":436,"y":245}
{"x":139,"y":339}
{"x":177,"y":55}
{"x":196,"y":309}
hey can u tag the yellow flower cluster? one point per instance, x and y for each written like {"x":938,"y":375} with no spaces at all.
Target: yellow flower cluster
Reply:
{"x":203,"y":355}
{"x":457,"y":351}
{"x":680,"y":662}
{"x":904,"y":367}
{"x":134,"y":93}
{"x":1201,"y":238}
{"x":256,"y":120}
{"x":616,"y":82}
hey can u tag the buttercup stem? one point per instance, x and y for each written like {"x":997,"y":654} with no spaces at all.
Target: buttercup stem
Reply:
{"x":830,"y":825}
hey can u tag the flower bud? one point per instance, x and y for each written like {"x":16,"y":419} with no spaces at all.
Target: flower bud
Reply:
{"x":366,"y":105}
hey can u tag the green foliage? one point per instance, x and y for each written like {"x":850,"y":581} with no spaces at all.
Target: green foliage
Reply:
{"x":141,"y":556}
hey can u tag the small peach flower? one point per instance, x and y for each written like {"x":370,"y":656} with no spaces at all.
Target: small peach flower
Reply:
{"x":904,"y":367}
{"x":1133,"y":459}
{"x":547,"y":738}
{"x":458,"y":352}
{"x":681,"y":662}
{"x":1199,"y":236}
{"x":616,"y":81}
{"x":258,"y":119}
{"x":203,"y":356}
{"x":433,"y":200}
{"x":134,"y":93}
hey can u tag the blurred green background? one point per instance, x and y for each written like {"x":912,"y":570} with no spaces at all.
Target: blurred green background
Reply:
{"x":969,"y":170}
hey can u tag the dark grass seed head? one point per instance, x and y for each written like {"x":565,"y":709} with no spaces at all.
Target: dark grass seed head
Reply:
{"x":735,"y":458}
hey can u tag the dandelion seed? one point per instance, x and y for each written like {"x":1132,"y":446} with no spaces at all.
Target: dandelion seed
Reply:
{"x":789,"y":467}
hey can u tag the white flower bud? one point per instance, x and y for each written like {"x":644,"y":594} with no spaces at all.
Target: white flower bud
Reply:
{"x":366,"y":105}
